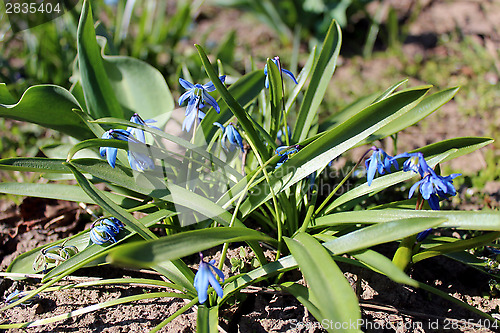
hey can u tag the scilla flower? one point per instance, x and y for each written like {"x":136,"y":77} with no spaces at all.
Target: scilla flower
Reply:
{"x":434,"y":187}
{"x":136,"y":132}
{"x":276,"y":60}
{"x":193,"y":111}
{"x":197,"y":89}
{"x":204,"y":277}
{"x":379,"y":161}
{"x":285,"y":152}
{"x":105,"y":230}
{"x":415,"y":163}
{"x":231,"y":138}
{"x":137,"y":153}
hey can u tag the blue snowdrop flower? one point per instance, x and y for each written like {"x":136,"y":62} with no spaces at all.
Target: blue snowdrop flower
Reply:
{"x":423,"y":235}
{"x":415,"y":162}
{"x":138,"y":160}
{"x":231,"y":138}
{"x":204,"y":277}
{"x":276,"y":60}
{"x":109,"y":152}
{"x":434,"y":187}
{"x":193,"y":109}
{"x":17,"y":295}
{"x":379,"y":161}
{"x":285,"y":152}
{"x":137,"y":133}
{"x":105,"y":230}
{"x":198,"y":90}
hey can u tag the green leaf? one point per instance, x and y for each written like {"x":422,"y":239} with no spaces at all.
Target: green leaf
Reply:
{"x":465,"y":220}
{"x":61,"y":192}
{"x":382,"y":233}
{"x":244,"y":119}
{"x":34,"y":164}
{"x":131,"y":223}
{"x":147,"y":254}
{"x":456,"y":246}
{"x":334,"y":296}
{"x":321,"y":76}
{"x":427,"y":106}
{"x":384,"y":265}
{"x":99,"y":95}
{"x":49,"y":106}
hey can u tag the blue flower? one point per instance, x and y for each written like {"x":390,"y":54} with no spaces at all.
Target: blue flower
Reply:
{"x":205,"y":276}
{"x":415,"y":162}
{"x":423,"y":235}
{"x":276,"y":60}
{"x":285,"y":152}
{"x":193,"y":109}
{"x":230,"y":135}
{"x":198,"y":90}
{"x":16,"y":295}
{"x":138,"y":160}
{"x":434,"y":187}
{"x":137,"y":133}
{"x":105,"y":230}
{"x":109,"y":152}
{"x":379,"y":161}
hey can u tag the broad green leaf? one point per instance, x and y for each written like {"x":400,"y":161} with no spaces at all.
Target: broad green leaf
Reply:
{"x":334,"y":296}
{"x":382,"y":233}
{"x":389,"y":90}
{"x":456,"y":246}
{"x":244,"y":118}
{"x":464,"y":146}
{"x":5,"y":95}
{"x":49,"y":106}
{"x":321,"y":76}
{"x":61,"y":192}
{"x":34,"y":164}
{"x":465,"y":220}
{"x":99,"y":95}
{"x":324,"y":149}
{"x":427,"y":106}
{"x":346,"y":113}
{"x":147,"y":254}
{"x":384,"y":265}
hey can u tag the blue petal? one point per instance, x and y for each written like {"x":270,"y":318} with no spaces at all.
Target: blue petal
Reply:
{"x":210,"y":86}
{"x":213,"y":281}
{"x":423,"y":235}
{"x":186,"y":84}
{"x":111,"y":156}
{"x":290,"y":75}
{"x":210,"y":100}
{"x":223,"y":129}
{"x":201,"y":282}
{"x":372,"y":168}
{"x":187,"y":95}
{"x":188,"y":121}
{"x":413,"y":188}
{"x":433,"y":202}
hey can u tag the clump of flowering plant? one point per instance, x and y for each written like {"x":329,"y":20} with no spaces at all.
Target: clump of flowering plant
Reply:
{"x":263,"y":197}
